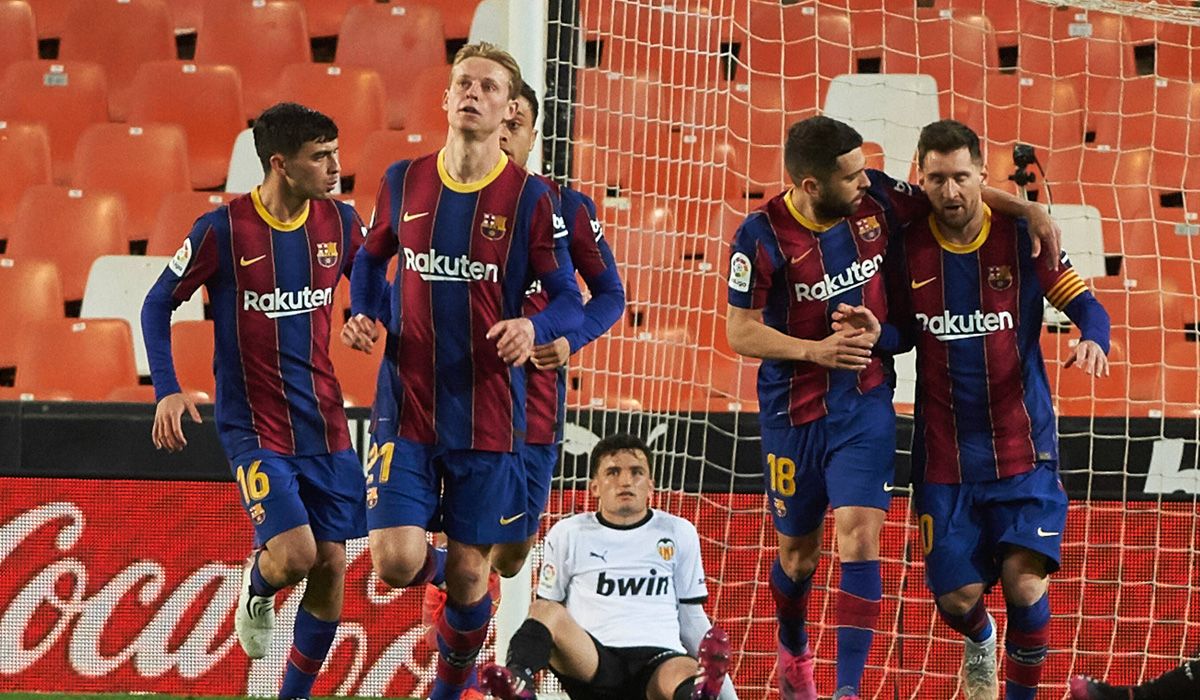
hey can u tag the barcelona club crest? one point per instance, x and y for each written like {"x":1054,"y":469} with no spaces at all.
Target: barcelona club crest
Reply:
{"x":372,"y":496}
{"x":327,"y":254}
{"x":999,"y":277}
{"x":258,"y":514}
{"x":780,"y":508}
{"x":494,"y":226}
{"x":666,"y":548}
{"x":868,"y":229}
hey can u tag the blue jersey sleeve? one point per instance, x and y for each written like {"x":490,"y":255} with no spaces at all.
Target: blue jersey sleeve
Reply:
{"x":752,"y":263}
{"x":551,"y":261}
{"x":594,"y":260}
{"x":192,"y":266}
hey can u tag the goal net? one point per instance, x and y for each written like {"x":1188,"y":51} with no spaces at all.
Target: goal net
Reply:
{"x":671,"y":116}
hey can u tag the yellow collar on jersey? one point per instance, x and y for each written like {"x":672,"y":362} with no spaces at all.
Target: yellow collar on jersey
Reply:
{"x":271,"y":220}
{"x":804,"y":221}
{"x":457,"y":186}
{"x":971,"y":247}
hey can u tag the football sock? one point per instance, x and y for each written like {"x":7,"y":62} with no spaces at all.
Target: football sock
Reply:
{"x":857,"y":615}
{"x":529,"y":650}
{"x":461,"y":632}
{"x":259,"y":585}
{"x":311,"y":641}
{"x":974,"y":625}
{"x":1026,"y":646}
{"x":791,"y":608}
{"x":433,"y":570}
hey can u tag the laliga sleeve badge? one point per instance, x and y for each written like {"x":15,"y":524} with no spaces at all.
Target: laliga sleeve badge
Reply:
{"x":183,"y":256}
{"x":739,"y":272}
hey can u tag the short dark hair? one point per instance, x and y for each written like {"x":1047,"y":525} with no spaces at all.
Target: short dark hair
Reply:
{"x":619,"y":443}
{"x":286,"y":127}
{"x":815,"y":144}
{"x":531,"y":97}
{"x":947,"y":136}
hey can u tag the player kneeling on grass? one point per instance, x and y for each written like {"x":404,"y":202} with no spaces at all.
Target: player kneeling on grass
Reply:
{"x":619,"y":599}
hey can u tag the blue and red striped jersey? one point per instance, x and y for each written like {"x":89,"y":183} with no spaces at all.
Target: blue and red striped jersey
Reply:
{"x":798,"y":272}
{"x":546,"y":399}
{"x":270,"y":286}
{"x":468,"y":253}
{"x":974,"y":313}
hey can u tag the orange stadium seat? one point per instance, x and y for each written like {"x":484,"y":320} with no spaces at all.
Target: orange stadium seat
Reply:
{"x":1177,"y":53}
{"x":1148,"y":111}
{"x":69,"y":227}
{"x":356,"y":371}
{"x":186,"y":15}
{"x":380,"y":150}
{"x":396,"y":41}
{"x":1009,"y":18}
{"x":205,"y":100}
{"x":50,"y":16}
{"x":1043,"y":112}
{"x":177,"y":212}
{"x":352,"y":97}
{"x":65,"y":97}
{"x":25,"y":161}
{"x":119,"y":36}
{"x":1180,"y":371}
{"x":257,"y":38}
{"x":325,"y":16}
{"x":679,"y":49}
{"x":192,"y":350}
{"x":422,"y":109}
{"x":90,"y":359}
{"x":19,"y":32}
{"x":1101,"y":44}
{"x":32,"y":292}
{"x":957,"y":51}
{"x":131,"y":394}
{"x":141,"y":163}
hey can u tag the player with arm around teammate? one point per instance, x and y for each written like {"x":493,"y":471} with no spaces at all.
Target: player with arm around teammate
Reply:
{"x":619,"y":611}
{"x":828,"y":426}
{"x":270,"y":260}
{"x":473,"y":230}
{"x":990,"y":505}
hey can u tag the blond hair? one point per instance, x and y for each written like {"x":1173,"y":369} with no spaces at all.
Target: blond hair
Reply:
{"x":498,"y":55}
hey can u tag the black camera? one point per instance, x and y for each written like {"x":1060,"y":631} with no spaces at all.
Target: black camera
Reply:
{"x":1023,"y":155}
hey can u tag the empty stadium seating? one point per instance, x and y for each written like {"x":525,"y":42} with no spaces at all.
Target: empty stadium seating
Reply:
{"x":65,"y":97}
{"x":192,"y":352}
{"x":19,"y":32}
{"x":381,"y":149}
{"x":177,"y":212}
{"x":140,"y":163}
{"x":31,"y":291}
{"x":51,"y":16}
{"x":118,"y":35}
{"x":395,"y":41}
{"x":89,"y":359}
{"x":25,"y":161}
{"x":205,"y":100}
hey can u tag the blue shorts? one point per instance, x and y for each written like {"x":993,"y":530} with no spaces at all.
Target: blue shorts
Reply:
{"x":281,"y":492}
{"x":475,"y":497}
{"x":966,"y":529}
{"x":540,"y":461}
{"x":841,"y":459}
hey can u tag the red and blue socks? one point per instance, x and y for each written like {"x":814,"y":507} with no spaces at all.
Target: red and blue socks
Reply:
{"x":259,"y":586}
{"x":974,"y":625}
{"x":791,"y":608}
{"x":1026,"y":646}
{"x":857,"y":615}
{"x":310,"y":644}
{"x":461,"y":631}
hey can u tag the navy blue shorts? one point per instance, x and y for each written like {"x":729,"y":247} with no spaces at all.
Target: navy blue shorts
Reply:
{"x":966,"y":529}
{"x":842,"y":459}
{"x":475,"y":497}
{"x":540,"y":461}
{"x":281,"y":492}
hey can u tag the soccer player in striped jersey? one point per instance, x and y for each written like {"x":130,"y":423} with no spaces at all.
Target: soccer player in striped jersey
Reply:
{"x":270,"y":261}
{"x":825,"y":402}
{"x":473,"y":231}
{"x":966,"y":291}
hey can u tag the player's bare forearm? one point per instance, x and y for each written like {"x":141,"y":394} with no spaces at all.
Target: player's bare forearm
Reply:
{"x":1042,"y":229}
{"x":749,"y":336}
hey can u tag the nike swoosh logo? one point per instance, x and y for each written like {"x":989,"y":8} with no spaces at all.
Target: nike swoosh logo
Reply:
{"x":918,"y":285}
{"x":410,"y":217}
{"x":251,"y":261}
{"x":513,"y":519}
{"x":796,"y":260}
{"x":888,"y":487}
{"x":1043,"y":533}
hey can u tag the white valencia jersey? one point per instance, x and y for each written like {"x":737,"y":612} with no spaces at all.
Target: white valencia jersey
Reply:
{"x":623,"y":584}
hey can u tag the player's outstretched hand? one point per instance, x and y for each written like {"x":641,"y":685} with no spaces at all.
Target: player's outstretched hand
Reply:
{"x":860,"y":317}
{"x":552,"y":354}
{"x":360,"y":333}
{"x":849,"y":348}
{"x":1090,"y":358}
{"x":514,"y":340}
{"x":167,"y":432}
{"x":1043,"y":231}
